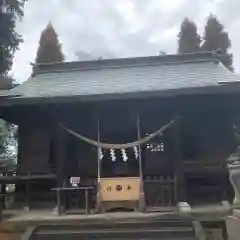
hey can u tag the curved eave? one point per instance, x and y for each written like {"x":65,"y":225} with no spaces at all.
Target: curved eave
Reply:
{"x":221,"y":89}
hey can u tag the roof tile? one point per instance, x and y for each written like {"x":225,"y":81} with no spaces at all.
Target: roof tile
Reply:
{"x":119,"y":78}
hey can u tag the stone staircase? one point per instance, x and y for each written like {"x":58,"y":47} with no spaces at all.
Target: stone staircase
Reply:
{"x":163,"y":229}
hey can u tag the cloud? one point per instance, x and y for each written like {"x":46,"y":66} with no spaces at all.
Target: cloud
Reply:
{"x":119,"y":28}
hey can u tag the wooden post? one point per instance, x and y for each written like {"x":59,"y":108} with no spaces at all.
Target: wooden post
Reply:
{"x":98,"y":154}
{"x":3,"y":191}
{"x":139,"y":149}
{"x":2,"y":199}
{"x":179,"y":167}
{"x":59,"y":203}
{"x":98,"y":168}
{"x":60,"y":157}
{"x":142,"y":196}
{"x":28,"y":200}
{"x":86,"y":201}
{"x":60,"y":154}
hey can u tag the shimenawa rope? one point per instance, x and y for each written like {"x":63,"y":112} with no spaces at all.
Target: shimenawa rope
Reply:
{"x":119,"y":146}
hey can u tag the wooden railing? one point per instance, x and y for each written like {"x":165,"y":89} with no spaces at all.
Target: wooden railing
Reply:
{"x":159,"y":190}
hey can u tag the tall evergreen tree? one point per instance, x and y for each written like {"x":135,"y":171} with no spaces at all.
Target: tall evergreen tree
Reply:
{"x":188,"y":38}
{"x":216,"y":38}
{"x":10,"y":12}
{"x":49,"y":50}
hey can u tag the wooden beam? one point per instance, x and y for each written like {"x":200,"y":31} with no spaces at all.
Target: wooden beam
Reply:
{"x":142,"y":204}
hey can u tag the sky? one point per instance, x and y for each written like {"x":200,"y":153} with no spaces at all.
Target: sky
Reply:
{"x":118,"y":28}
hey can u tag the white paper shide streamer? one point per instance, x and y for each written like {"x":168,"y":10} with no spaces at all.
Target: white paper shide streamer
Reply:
{"x":124,"y":155}
{"x":135,"y":151}
{"x":100,"y":153}
{"x":112,"y":154}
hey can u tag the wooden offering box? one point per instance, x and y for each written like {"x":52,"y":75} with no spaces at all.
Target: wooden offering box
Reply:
{"x":120,"y":192}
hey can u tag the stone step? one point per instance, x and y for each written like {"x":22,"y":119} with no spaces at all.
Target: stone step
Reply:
{"x":124,"y":224}
{"x":164,"y":230}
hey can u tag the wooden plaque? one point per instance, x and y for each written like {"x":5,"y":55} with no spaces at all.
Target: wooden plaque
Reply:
{"x":120,"y":189}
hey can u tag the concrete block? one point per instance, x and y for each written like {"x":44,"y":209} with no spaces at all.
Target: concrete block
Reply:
{"x":200,"y":232}
{"x":26,"y":209}
{"x":226,"y":206}
{"x":184,"y":207}
{"x":233,"y":227}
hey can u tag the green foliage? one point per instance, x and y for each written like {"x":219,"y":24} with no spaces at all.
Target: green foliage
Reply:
{"x":8,"y":146}
{"x":2,"y":136}
{"x":6,"y":82}
{"x":188,"y":38}
{"x":49,"y":50}
{"x":215,"y":38}
{"x":10,"y":12}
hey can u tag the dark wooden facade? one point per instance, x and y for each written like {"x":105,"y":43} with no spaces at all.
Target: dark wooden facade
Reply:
{"x":188,"y":164}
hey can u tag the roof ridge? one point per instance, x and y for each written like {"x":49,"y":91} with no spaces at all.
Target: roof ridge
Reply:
{"x":125,"y":62}
{"x":122,"y":66}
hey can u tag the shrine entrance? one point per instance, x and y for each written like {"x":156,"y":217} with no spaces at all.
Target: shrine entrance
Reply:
{"x":134,"y":165}
{"x":120,"y":169}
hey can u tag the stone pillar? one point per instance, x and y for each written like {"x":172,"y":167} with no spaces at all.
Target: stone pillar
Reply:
{"x":233,"y":222}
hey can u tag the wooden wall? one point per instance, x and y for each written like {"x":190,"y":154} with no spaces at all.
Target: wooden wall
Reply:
{"x":205,"y":136}
{"x":34,"y":149}
{"x":204,"y":129}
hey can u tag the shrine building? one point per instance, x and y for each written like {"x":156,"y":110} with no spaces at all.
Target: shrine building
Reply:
{"x":141,"y":134}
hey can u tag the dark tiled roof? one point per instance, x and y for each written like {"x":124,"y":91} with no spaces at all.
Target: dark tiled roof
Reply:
{"x":125,"y":76}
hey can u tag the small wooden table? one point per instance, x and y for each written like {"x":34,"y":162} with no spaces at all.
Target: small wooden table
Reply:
{"x":65,"y":189}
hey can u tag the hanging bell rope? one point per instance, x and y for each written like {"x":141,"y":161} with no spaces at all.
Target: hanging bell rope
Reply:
{"x":119,"y":146}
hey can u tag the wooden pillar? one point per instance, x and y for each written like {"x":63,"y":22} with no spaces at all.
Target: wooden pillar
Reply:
{"x":60,"y":155}
{"x":142,"y":196}
{"x":98,"y":153}
{"x":180,"y":193}
{"x":2,"y":198}
{"x":28,"y":193}
{"x":98,"y":169}
{"x":60,"y":164}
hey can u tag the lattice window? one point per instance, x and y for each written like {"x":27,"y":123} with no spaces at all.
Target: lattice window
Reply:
{"x":155,"y":147}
